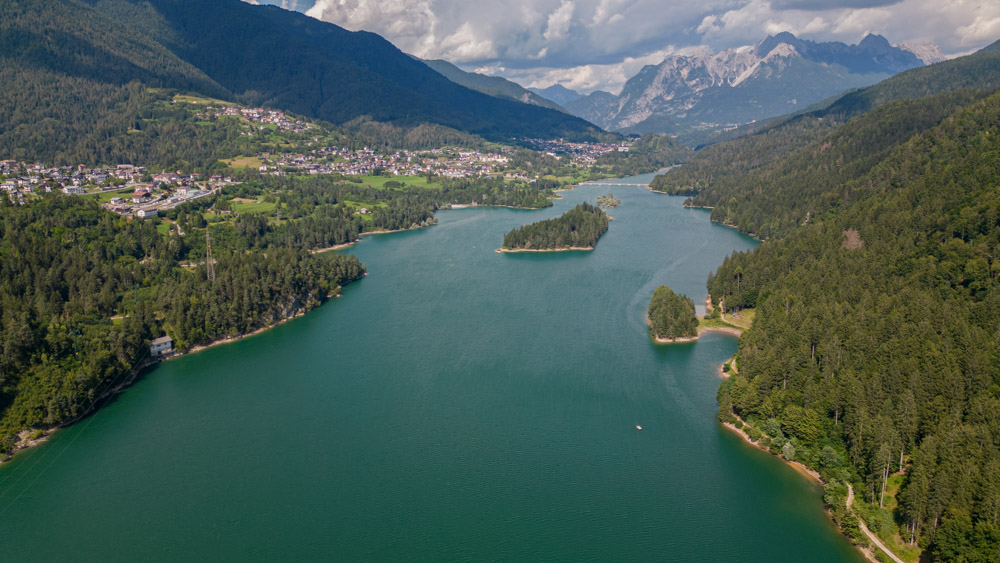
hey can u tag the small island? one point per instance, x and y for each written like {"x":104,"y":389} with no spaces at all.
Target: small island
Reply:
{"x":608,"y":201}
{"x":577,"y":229}
{"x":671,"y":317}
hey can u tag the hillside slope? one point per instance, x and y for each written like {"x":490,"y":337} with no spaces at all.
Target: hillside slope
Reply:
{"x":876,"y":346}
{"x":496,"y":86}
{"x":78,"y":76}
{"x":745,"y":179}
{"x":266,"y":55}
{"x":72,"y":77}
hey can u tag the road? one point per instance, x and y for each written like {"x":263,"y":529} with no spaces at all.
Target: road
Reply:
{"x":864,"y":529}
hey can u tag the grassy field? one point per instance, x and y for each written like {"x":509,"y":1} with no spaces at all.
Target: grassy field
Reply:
{"x":745,"y":319}
{"x":250,"y":206}
{"x":242,"y":162}
{"x":105,"y":197}
{"x":415,"y":181}
{"x":186,"y":99}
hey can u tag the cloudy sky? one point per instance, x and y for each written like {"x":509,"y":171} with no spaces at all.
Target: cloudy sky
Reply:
{"x":598,"y":44}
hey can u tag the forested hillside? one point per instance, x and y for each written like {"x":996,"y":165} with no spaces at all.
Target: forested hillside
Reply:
{"x":649,"y":154}
{"x":785,"y":160}
{"x":491,"y":85}
{"x":77,"y":79}
{"x":264,"y":55}
{"x":82,"y":291}
{"x":814,"y":179}
{"x":578,"y":228}
{"x":876,"y":346}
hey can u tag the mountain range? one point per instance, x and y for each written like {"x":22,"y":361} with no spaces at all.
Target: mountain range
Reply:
{"x":497,"y":86}
{"x":558,"y":94}
{"x":781,"y":74}
{"x":71,"y":67}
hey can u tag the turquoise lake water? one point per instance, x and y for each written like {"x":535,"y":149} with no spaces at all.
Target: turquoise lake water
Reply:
{"x":456,"y":404}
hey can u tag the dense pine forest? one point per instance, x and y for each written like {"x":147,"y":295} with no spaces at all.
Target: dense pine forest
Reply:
{"x":82,"y":291}
{"x":578,"y":228}
{"x":649,"y":154}
{"x":875,"y":354}
{"x":671,"y":316}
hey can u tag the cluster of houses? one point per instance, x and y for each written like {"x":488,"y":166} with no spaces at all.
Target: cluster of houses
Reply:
{"x":583,"y":154}
{"x":137,"y":193}
{"x":446,"y":162}
{"x":21,"y":179}
{"x":165,"y":190}
{"x":263,"y":117}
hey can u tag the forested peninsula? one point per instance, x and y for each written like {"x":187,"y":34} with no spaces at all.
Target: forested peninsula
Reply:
{"x":671,"y":316}
{"x":577,"y":229}
{"x":874,"y":357}
{"x":83,"y":291}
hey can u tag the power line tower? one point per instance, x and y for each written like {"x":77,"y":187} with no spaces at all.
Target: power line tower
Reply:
{"x":209,"y":262}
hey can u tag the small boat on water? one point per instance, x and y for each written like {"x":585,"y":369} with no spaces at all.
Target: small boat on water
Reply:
{"x":637,"y":427}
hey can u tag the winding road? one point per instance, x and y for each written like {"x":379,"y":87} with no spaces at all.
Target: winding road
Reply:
{"x":861,"y":524}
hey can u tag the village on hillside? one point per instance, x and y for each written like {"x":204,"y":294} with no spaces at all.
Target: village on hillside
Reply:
{"x":125,"y":189}
{"x":134,"y":191}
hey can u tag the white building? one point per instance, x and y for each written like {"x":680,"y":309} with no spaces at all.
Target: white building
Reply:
{"x":161,"y":346}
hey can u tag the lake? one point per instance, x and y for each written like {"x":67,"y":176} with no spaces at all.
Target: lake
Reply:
{"x":455,"y":404}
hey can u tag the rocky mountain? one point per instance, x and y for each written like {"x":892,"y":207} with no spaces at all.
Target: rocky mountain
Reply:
{"x":491,"y":85}
{"x":699,"y":90}
{"x":558,"y":94}
{"x":927,"y":52}
{"x":594,"y":105}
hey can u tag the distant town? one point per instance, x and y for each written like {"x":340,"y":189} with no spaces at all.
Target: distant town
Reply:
{"x":133,"y":190}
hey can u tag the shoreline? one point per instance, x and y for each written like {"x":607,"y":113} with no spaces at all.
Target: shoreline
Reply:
{"x":815,"y":477}
{"x":681,"y":340}
{"x":358,"y":240}
{"x":798,"y":466}
{"x":570,"y":249}
{"x":722,"y":223}
{"x":25,"y":442}
{"x":471,"y":205}
{"x":230,"y":339}
{"x":733,"y":331}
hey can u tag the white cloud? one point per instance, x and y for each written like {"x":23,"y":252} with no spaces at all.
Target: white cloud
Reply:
{"x":983,"y":28}
{"x":466,"y":45}
{"x":586,"y":78}
{"x":591,"y":43}
{"x":559,"y":21}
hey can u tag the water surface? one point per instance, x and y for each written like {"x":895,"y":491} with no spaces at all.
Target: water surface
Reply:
{"x":456,"y":404}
